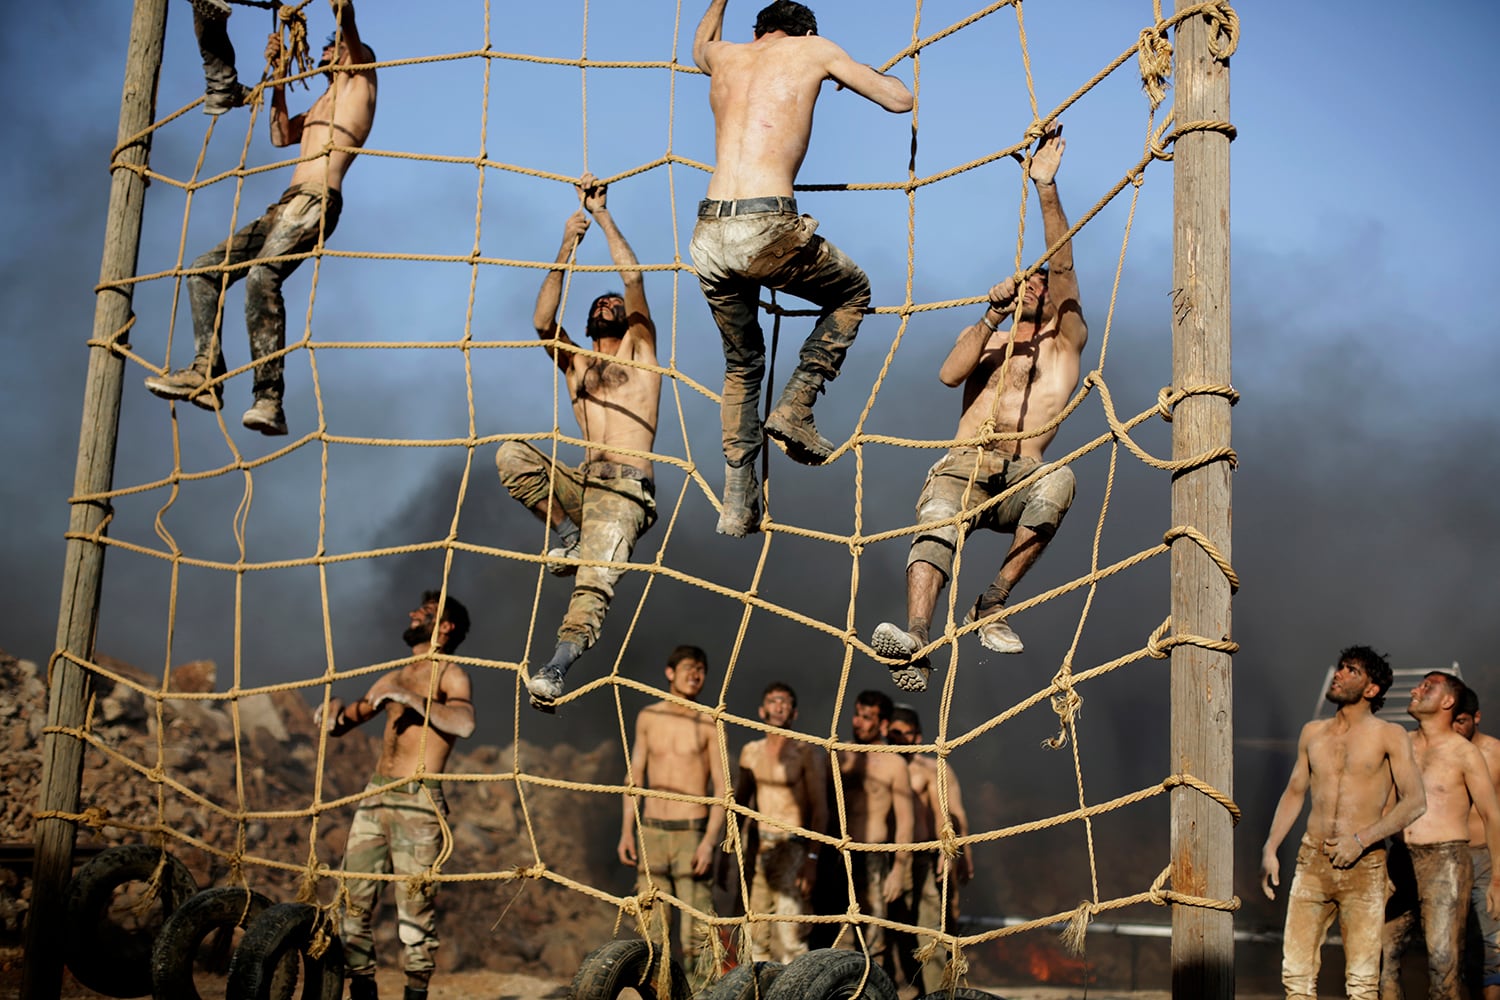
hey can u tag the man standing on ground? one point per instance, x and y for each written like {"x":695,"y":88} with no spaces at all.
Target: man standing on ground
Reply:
{"x":675,"y":750}
{"x":1352,"y":764}
{"x":1016,"y":381}
{"x":785,"y":781}
{"x":1430,"y":868}
{"x":398,"y":828}
{"x":330,"y":133}
{"x":601,"y":507}
{"x":930,"y":869}
{"x":878,"y":801}
{"x":1486,"y":964}
{"x":750,"y":236}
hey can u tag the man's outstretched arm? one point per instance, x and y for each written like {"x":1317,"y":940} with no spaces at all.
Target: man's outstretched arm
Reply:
{"x":285,"y":130}
{"x":710,"y":29}
{"x":887,"y":91}
{"x":549,"y":297}
{"x":1062,"y":282}
{"x":354,"y":49}
{"x":637,"y":311}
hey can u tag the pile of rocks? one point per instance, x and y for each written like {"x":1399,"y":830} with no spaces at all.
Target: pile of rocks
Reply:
{"x":260,"y":754}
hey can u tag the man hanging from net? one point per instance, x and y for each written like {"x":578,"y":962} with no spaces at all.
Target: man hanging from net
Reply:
{"x":601,"y":507}
{"x":330,"y":133}
{"x":749,"y":234}
{"x":1020,"y":378}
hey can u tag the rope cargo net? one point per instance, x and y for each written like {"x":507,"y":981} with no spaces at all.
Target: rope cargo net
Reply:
{"x":1150,"y":56}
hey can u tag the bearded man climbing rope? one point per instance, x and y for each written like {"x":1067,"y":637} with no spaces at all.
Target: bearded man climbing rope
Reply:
{"x":331,"y":133}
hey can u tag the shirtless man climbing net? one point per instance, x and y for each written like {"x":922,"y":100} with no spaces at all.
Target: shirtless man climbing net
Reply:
{"x":330,"y":133}
{"x":1020,"y":378}
{"x":1352,"y":763}
{"x":749,"y":234}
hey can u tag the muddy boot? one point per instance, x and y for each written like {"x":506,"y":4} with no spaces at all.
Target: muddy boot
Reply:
{"x":995,"y":633}
{"x":739,"y":512}
{"x":911,"y":673}
{"x":791,"y":422}
{"x":266,"y":416}
{"x":190,"y":383}
{"x":362,"y":988}
{"x":546,"y":685}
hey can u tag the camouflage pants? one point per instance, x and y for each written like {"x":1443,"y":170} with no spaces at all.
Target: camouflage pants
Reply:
{"x":774,"y":891}
{"x":737,"y":252}
{"x":395,"y":832}
{"x":219,"y":75}
{"x":291,"y":226}
{"x":612,"y":504}
{"x":668,"y":847}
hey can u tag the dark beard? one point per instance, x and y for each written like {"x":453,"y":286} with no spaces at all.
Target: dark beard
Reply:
{"x":1333,"y":697}
{"x":415,"y":635}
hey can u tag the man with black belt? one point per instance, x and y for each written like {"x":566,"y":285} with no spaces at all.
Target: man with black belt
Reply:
{"x":675,"y":751}
{"x":399,"y":825}
{"x":750,"y":236}
{"x":601,"y":507}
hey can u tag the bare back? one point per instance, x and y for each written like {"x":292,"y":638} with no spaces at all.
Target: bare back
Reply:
{"x":679,"y":744}
{"x":762,"y":94}
{"x":1349,"y":770}
{"x":1448,"y":763}
{"x":1025,"y":393}
{"x":616,"y":405}
{"x":342,"y":116}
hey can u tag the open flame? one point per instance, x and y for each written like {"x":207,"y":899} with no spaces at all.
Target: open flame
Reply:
{"x":1047,"y":963}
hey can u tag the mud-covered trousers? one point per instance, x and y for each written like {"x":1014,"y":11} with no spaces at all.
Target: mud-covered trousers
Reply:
{"x":666,"y":864}
{"x":774,"y":892}
{"x":741,"y":246}
{"x":219,"y":76}
{"x":396,"y":832}
{"x":291,"y":226}
{"x":1430,"y":894}
{"x":612,"y":504}
{"x":1318,"y":892}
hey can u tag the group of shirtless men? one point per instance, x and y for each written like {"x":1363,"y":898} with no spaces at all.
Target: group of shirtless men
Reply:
{"x":1400,"y":837}
{"x":1016,"y":379}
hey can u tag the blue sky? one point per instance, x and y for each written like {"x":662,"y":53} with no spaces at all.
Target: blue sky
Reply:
{"x":1361,"y":181}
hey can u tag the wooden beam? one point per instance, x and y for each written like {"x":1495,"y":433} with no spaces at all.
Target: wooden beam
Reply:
{"x":62,"y":756}
{"x":1202,"y":732}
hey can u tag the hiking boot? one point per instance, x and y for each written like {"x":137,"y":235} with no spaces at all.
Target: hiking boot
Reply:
{"x":562,"y":552}
{"x":995,"y":633}
{"x":214,"y":10}
{"x":265,"y":416}
{"x":897,"y":644}
{"x":791,"y":422}
{"x":362,"y":988}
{"x":739,"y":513}
{"x":545,"y":687}
{"x":216,"y":102}
{"x":191,"y":384}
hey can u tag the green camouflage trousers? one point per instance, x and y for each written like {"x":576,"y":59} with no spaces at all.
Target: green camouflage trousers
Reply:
{"x":396,"y":832}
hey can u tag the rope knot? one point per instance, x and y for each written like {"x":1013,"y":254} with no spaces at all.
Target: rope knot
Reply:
{"x":1154,"y":54}
{"x":1155,"y":647}
{"x":948,"y":841}
{"x":1067,"y":703}
{"x":420,"y":884}
{"x":1075,"y":935}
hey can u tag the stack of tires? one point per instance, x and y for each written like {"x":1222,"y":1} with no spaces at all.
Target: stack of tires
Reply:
{"x":130,"y":955}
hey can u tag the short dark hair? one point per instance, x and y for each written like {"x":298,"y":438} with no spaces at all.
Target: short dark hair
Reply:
{"x":687,"y":653}
{"x":1376,"y":669}
{"x":878,"y":700}
{"x":775,"y":686}
{"x":589,"y":325}
{"x":788,"y":16}
{"x":1468,"y":702}
{"x":454,"y":613}
{"x":908,"y":715}
{"x":1456,"y":687}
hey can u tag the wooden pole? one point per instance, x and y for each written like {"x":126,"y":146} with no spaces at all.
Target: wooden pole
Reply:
{"x":62,"y":755}
{"x":1202,"y":830}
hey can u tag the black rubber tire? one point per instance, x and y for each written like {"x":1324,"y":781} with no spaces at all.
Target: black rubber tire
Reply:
{"x":176,"y":950}
{"x":283,"y":930}
{"x":832,"y":974}
{"x":962,"y":993}
{"x":103,"y":956}
{"x":746,"y":981}
{"x":625,"y":964}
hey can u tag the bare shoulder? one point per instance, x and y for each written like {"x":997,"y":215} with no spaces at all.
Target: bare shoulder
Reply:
{"x":1489,"y":749}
